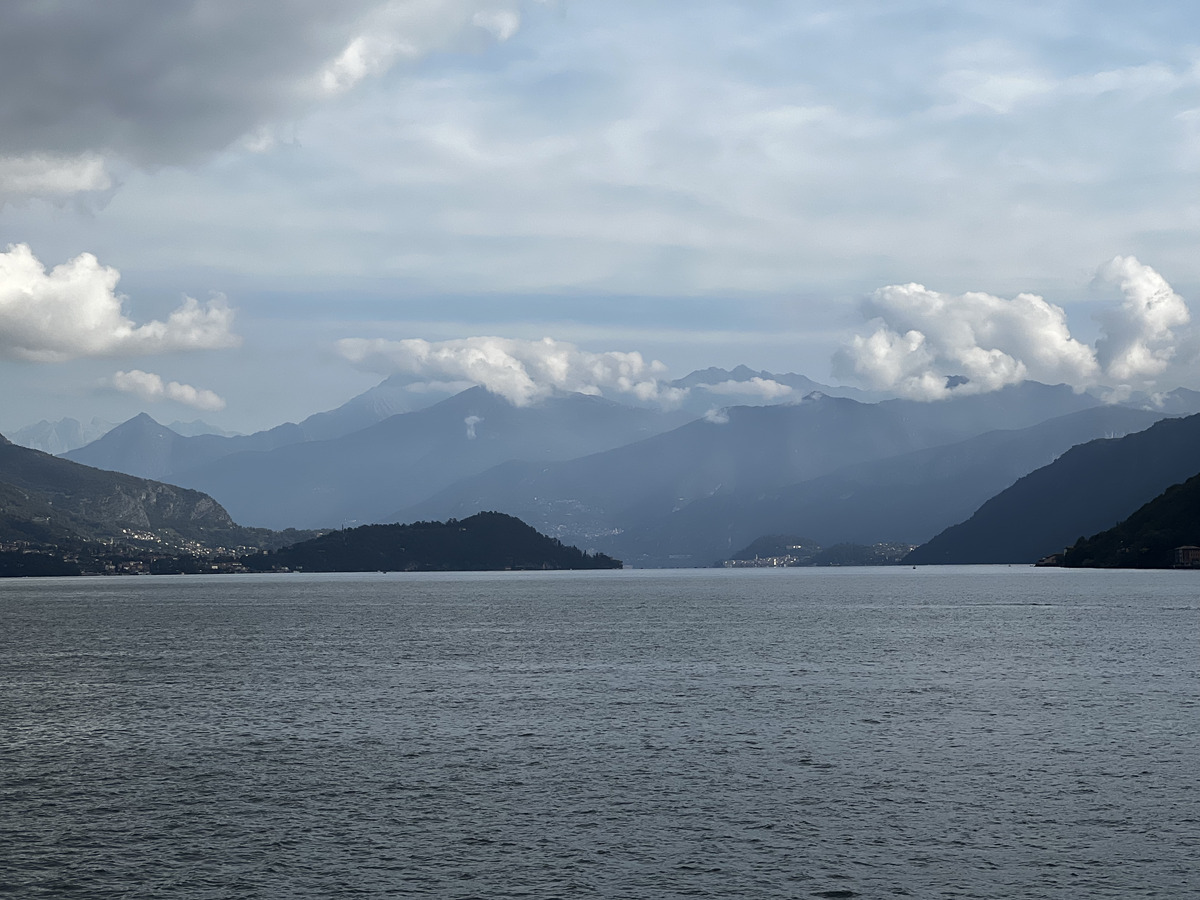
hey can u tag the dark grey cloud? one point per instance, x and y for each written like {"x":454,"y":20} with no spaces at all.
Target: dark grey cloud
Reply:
{"x":159,"y":82}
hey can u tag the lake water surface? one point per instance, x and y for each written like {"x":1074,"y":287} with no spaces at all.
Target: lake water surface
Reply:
{"x":939,"y":732}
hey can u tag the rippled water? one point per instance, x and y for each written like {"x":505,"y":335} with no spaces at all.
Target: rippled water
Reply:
{"x":802,"y":733}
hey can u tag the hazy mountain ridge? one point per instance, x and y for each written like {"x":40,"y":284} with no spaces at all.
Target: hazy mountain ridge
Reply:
{"x":198,"y":427}
{"x":142,"y":446}
{"x":61,"y":436}
{"x":369,"y":474}
{"x":905,"y":499}
{"x":623,"y":498}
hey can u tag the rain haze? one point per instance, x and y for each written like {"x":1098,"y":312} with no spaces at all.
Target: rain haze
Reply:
{"x":253,"y":211}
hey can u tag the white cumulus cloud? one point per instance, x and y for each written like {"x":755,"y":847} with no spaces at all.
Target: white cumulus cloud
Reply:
{"x":149,"y":386}
{"x":1140,"y":335}
{"x":520,"y":371}
{"x":73,"y":311}
{"x":922,"y":339}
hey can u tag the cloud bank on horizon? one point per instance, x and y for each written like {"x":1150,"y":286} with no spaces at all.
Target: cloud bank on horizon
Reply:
{"x":521,"y":372}
{"x":922,"y":339}
{"x":565,"y":165}
{"x":925,"y":345}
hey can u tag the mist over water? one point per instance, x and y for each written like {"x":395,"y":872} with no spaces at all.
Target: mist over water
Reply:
{"x":984,"y":732}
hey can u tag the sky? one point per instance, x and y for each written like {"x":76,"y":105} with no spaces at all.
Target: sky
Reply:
{"x":249,"y":211}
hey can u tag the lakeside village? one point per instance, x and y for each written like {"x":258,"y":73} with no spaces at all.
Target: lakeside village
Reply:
{"x":487,"y":541}
{"x":145,"y":553}
{"x":108,"y":557}
{"x":775,"y":553}
{"x":154,"y":556}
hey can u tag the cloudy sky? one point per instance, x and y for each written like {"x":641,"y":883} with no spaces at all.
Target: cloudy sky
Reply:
{"x":250,"y":211}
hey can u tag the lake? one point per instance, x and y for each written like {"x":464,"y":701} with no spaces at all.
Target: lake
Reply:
{"x":982,"y":732}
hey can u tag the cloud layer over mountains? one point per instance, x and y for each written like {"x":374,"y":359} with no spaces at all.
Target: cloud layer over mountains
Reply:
{"x":520,"y":371}
{"x":924,"y":345}
{"x":709,"y":188}
{"x":923,"y":339}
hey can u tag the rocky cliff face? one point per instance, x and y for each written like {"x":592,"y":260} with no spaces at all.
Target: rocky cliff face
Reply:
{"x":151,"y":505}
{"x":93,"y":503}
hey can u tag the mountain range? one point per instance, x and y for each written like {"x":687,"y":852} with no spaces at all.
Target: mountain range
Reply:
{"x":370,"y":473}
{"x":143,"y":447}
{"x":652,"y":486}
{"x":695,"y":494}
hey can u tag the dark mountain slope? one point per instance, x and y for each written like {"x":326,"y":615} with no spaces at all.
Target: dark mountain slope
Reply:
{"x":1088,"y":489}
{"x":1148,"y":538}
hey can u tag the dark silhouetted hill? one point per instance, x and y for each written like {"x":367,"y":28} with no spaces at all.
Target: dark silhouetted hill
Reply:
{"x":1148,"y":538}
{"x":484,"y":542}
{"x":1090,"y":488}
